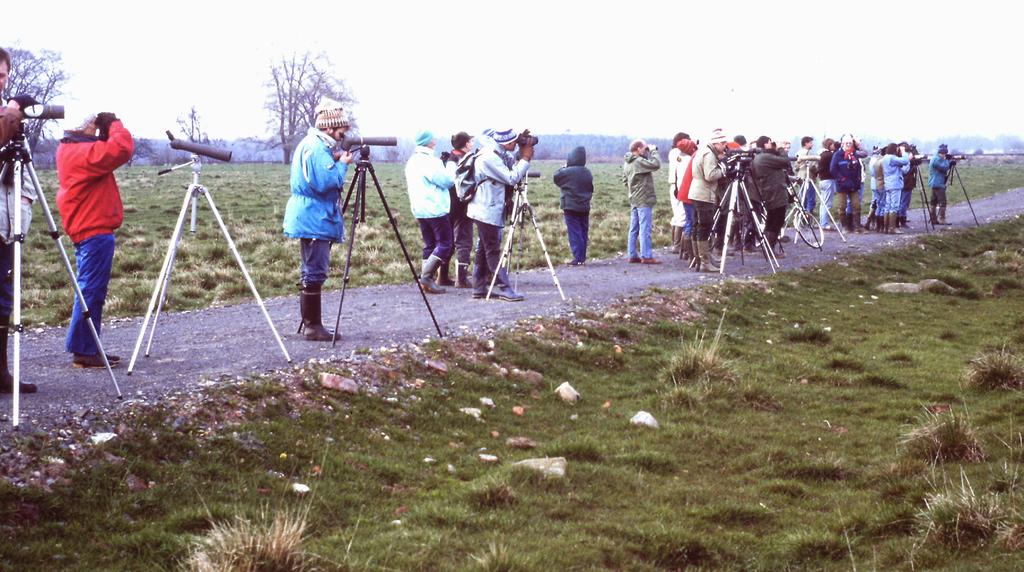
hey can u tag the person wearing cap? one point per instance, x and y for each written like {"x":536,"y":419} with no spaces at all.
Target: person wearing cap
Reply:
{"x":10,"y":123}
{"x":90,"y":210}
{"x":428,"y":181}
{"x":938,"y":176}
{"x":638,"y":175}
{"x":313,"y":214}
{"x":462,"y":227}
{"x":496,"y":169}
{"x":707,"y":172}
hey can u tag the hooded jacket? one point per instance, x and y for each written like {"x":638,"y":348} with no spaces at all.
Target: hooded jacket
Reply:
{"x":428,"y":180}
{"x":316,"y":181}
{"x":496,"y":170}
{"x":89,"y":200}
{"x":938,"y":172}
{"x":707,"y":171}
{"x":576,"y":182}
{"x":771,"y":171}
{"x":638,"y":175}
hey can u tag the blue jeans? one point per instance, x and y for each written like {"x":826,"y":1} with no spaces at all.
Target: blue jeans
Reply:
{"x":691,"y":218}
{"x":828,"y":192}
{"x":810,"y":197}
{"x":316,"y":259}
{"x":905,"y":202}
{"x":892,"y":200}
{"x":640,"y":231}
{"x":437,"y":237}
{"x":577,"y":225}
{"x":94,"y":257}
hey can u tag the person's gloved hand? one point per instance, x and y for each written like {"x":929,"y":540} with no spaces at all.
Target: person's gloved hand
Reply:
{"x":526,"y":153}
{"x":24,"y":101}
{"x":445,"y":155}
{"x":104,"y":119}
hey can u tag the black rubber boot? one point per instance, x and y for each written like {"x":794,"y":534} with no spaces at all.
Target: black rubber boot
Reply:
{"x":443,"y":277}
{"x":462,"y":275}
{"x":6,"y":380}
{"x":312,"y":324}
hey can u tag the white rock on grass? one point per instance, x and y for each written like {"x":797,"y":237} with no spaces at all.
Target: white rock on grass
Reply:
{"x":101,"y":438}
{"x":898,"y":288}
{"x":299,"y":488}
{"x":644,"y":419}
{"x":547,"y":466}
{"x":485,"y":458}
{"x":487,"y":402}
{"x":568,"y":393}
{"x":471,"y":411}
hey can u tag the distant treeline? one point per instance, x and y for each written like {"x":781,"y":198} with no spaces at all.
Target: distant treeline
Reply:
{"x":600,"y":148}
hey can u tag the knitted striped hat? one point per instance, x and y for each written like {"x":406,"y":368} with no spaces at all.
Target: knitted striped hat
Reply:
{"x":329,"y":114}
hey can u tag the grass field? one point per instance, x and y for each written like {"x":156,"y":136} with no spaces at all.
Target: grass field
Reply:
{"x":796,"y":446}
{"x":251,"y":199}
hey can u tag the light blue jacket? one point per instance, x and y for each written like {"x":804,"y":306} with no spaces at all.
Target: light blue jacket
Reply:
{"x":496,"y":169}
{"x":428,"y":180}
{"x":938,"y":171}
{"x":317,"y":181}
{"x":893,"y":169}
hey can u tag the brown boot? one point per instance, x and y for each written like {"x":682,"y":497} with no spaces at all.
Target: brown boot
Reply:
{"x":704,"y":254}
{"x":686,"y":248}
{"x":942,"y":216}
{"x":462,"y":275}
{"x":677,"y":239}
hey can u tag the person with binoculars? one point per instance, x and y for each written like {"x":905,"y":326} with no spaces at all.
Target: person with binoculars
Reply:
{"x":638,"y":175}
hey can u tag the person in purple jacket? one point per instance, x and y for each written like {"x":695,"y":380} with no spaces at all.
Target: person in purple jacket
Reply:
{"x":845,"y":168}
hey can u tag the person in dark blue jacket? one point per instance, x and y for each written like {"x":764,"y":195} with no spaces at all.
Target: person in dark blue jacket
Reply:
{"x":312,"y":214}
{"x":845,"y":168}
{"x":577,"y":186}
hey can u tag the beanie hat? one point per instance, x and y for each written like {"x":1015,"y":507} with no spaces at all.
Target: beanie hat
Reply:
{"x":329,"y":114}
{"x":460,"y":139}
{"x":740,"y":139}
{"x":424,"y":137}
{"x":687,"y":146}
{"x":943,"y":148}
{"x":717,"y":136}
{"x":87,"y":122}
{"x":504,"y":137}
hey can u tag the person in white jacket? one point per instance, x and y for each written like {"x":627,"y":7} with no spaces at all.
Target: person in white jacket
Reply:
{"x":428,"y":180}
{"x":678,"y":162}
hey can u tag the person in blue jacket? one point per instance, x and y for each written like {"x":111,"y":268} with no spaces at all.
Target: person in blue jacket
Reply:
{"x":938,"y":176}
{"x":894,"y":167}
{"x":313,"y":214}
{"x":428,"y":180}
{"x":845,"y":167}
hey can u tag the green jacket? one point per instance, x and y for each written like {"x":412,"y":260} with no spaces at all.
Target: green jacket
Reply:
{"x":637,"y":174}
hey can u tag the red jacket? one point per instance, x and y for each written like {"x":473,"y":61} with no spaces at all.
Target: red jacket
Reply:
{"x":88,"y":200}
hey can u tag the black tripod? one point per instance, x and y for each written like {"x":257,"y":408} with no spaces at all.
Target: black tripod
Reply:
{"x":356,"y":196}
{"x":949,"y":177}
{"x":17,"y":158}
{"x":929,"y":225}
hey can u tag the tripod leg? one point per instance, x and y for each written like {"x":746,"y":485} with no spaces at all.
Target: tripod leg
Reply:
{"x":924,"y":203}
{"x":163,"y":296}
{"x":245,"y":272}
{"x":15,"y":325}
{"x":828,"y":211}
{"x":966,"y":196}
{"x":348,"y":268}
{"x":172,"y":245}
{"x":547,"y":257}
{"x":728,"y":230}
{"x":506,"y":251}
{"x":408,"y":260}
{"x":55,"y":235}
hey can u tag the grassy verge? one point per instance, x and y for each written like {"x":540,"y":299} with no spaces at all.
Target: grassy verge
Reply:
{"x":788,"y":439}
{"x":251,"y":199}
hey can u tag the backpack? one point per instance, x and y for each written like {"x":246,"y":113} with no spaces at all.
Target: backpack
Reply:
{"x":465,"y":177}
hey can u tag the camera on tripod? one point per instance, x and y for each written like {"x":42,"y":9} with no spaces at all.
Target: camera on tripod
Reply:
{"x":737,"y":162}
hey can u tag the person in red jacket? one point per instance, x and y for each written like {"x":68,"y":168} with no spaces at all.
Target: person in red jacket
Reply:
{"x":91,"y":210}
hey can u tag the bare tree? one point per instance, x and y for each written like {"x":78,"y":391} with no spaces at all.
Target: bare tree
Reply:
{"x":190,"y":125}
{"x":297,"y":85}
{"x":40,"y":75}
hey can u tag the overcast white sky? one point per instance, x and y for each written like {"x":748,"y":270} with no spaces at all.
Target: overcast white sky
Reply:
{"x":645,"y":69}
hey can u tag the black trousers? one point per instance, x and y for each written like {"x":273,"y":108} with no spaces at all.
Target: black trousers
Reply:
{"x":705,"y":218}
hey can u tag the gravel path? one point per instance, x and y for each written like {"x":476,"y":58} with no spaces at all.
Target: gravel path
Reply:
{"x":196,"y":348}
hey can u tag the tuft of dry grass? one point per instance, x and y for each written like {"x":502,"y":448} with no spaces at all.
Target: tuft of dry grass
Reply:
{"x":944,"y":437}
{"x":245,"y":546}
{"x":699,"y":363}
{"x":995,"y":370}
{"x":958,"y":517}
